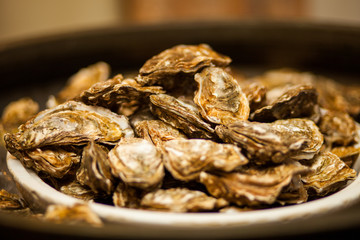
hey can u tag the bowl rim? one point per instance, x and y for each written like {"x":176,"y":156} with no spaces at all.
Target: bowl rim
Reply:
{"x":33,"y":184}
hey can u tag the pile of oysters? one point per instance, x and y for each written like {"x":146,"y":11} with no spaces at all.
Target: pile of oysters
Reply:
{"x":189,"y":133}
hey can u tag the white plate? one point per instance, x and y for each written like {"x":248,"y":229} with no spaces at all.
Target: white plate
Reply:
{"x":208,"y":225}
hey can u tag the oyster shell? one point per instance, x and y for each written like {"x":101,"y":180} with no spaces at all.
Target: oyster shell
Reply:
{"x":10,"y":201}
{"x":157,"y":132}
{"x":79,"y":191}
{"x":181,"y":200}
{"x":78,"y":213}
{"x":186,"y":158}
{"x":81,"y":81}
{"x":287,"y":105}
{"x":278,"y":141}
{"x":126,"y":196}
{"x":348,"y":154}
{"x":329,"y":174}
{"x":180,"y":115}
{"x":294,"y":193}
{"x":219,"y":97}
{"x":338,"y":128}
{"x":56,"y":162}
{"x":117,"y":92}
{"x":252,"y":186}
{"x":17,"y":113}
{"x":255,"y":93}
{"x":185,"y":60}
{"x":95,"y":169}
{"x":137,"y":162}
{"x":71,"y":123}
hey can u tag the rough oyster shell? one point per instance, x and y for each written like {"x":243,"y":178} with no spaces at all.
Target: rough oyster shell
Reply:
{"x":56,"y":162}
{"x":348,"y":154}
{"x":219,"y":97}
{"x":181,"y":200}
{"x":78,"y":213}
{"x":78,"y":191}
{"x":116,"y":92}
{"x":79,"y":82}
{"x":338,"y":128}
{"x":126,"y":196}
{"x":180,"y":115}
{"x":95,"y":169}
{"x":71,"y":123}
{"x":157,"y":132}
{"x":163,"y":68}
{"x":186,"y":158}
{"x":329,"y":174}
{"x":278,"y":141}
{"x":137,"y":162}
{"x":287,"y":105}
{"x":252,"y":186}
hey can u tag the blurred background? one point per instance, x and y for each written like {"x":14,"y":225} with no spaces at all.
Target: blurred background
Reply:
{"x":21,"y":19}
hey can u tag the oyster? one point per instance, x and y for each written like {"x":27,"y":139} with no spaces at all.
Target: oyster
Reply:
{"x":157,"y":132}
{"x":186,"y":158}
{"x":137,"y":162}
{"x":329,"y":174}
{"x":56,"y":162}
{"x":294,"y":193}
{"x":181,"y":200}
{"x":78,"y":213}
{"x":278,"y":141}
{"x":172,"y":66}
{"x":71,"y":123}
{"x":287,"y":105}
{"x":95,"y":170}
{"x":79,"y":191}
{"x":337,"y":127}
{"x":255,"y":93}
{"x":252,"y":186}
{"x":141,"y":115}
{"x":180,"y":115}
{"x":117,"y":92}
{"x":81,"y":81}
{"x":285,"y":77}
{"x":349,"y":154}
{"x":219,"y":97}
{"x":17,"y":113}
{"x":126,"y":196}
{"x":10,"y":201}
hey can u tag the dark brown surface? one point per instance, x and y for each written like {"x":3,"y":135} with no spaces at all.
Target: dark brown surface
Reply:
{"x":39,"y":67}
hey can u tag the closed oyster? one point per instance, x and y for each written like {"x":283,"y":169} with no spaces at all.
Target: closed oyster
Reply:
{"x":180,"y":115}
{"x":116,"y":92}
{"x":294,"y":193}
{"x":95,"y":170}
{"x":338,"y":128}
{"x":55,"y":162}
{"x":329,"y":174}
{"x":186,"y":158}
{"x":287,"y":105}
{"x":81,"y":81}
{"x":79,"y":191}
{"x":78,"y":213}
{"x":278,"y":141}
{"x":126,"y":196}
{"x":252,"y":186}
{"x":17,"y":113}
{"x":157,"y":132}
{"x":137,"y":162}
{"x":348,"y":154}
{"x":219,"y":97}
{"x":71,"y":123}
{"x":255,"y":93}
{"x":285,"y":77}
{"x":181,"y":200}
{"x":10,"y":201}
{"x":184,"y":60}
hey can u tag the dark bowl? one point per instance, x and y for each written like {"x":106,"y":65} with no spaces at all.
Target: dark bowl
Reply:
{"x":39,"y":67}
